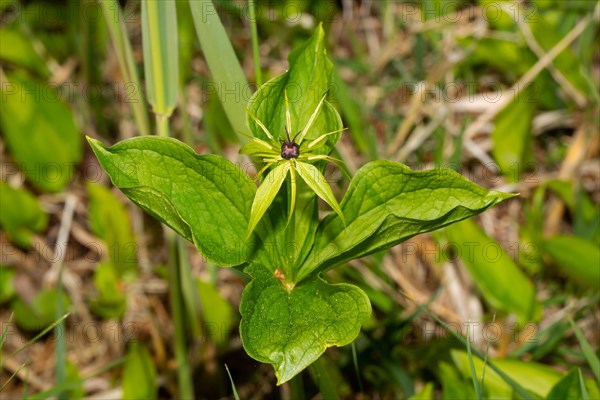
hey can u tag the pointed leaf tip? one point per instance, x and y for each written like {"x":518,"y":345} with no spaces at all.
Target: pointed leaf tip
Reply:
{"x":265,"y":194}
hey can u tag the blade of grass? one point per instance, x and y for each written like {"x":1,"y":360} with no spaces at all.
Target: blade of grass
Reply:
{"x":161,"y":59}
{"x":354,"y":116}
{"x":472,"y":365}
{"x":235,"y":393}
{"x":118,"y":33}
{"x":25,"y":385}
{"x":256,"y":53}
{"x":39,"y":335}
{"x":73,"y":384}
{"x":584,"y":393}
{"x":5,"y":332}
{"x":224,"y":66}
{"x":356,"y":369}
{"x":487,"y":350}
{"x":186,"y":40}
{"x":588,"y":352}
{"x":10,"y":378}
{"x":60,"y":349}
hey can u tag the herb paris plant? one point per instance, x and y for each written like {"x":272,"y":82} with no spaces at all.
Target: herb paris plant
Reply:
{"x":290,"y":315}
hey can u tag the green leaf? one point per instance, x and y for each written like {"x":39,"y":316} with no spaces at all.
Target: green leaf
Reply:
{"x":386,"y":204}
{"x":40,"y":312}
{"x":21,"y":215}
{"x":291,"y":327}
{"x":266,"y":193}
{"x":585,"y":213}
{"x":474,"y":377}
{"x":425,"y":394}
{"x":7,"y":288}
{"x":588,"y":351}
{"x":307,"y":79}
{"x":17,"y":48}
{"x":256,"y":148}
{"x":324,"y":373}
{"x":512,"y":137}
{"x":533,"y":377}
{"x":224,"y":66}
{"x":159,"y":39}
{"x":77,"y":391}
{"x":217,"y":313}
{"x":316,"y":181}
{"x":576,"y":258}
{"x":216,"y":124}
{"x":110,"y":302}
{"x":139,"y":374}
{"x":206,"y":199}
{"x":109,"y":221}
{"x":40,"y":132}
{"x":567,"y":388}
{"x":498,"y":278}
{"x":452,"y":386}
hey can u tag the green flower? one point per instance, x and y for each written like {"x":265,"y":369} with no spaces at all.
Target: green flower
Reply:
{"x":293,"y":155}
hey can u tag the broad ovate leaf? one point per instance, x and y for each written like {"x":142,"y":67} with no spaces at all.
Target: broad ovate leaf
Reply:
{"x":206,"y":199}
{"x":386,"y":204}
{"x":290,"y":327}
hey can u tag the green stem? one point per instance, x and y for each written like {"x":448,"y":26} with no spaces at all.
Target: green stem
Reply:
{"x":186,"y":131}
{"x":257,"y":71}
{"x":60,"y":351}
{"x":178,"y":309}
{"x":155,"y":62}
{"x":118,"y":33}
{"x":184,"y":376}
{"x":297,"y":388}
{"x":323,"y":380}
{"x":162,"y":125}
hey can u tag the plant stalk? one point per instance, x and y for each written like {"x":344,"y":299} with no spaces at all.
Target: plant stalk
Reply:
{"x":131,"y":83}
{"x":184,"y":375}
{"x":255,"y":50}
{"x":162,"y":125}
